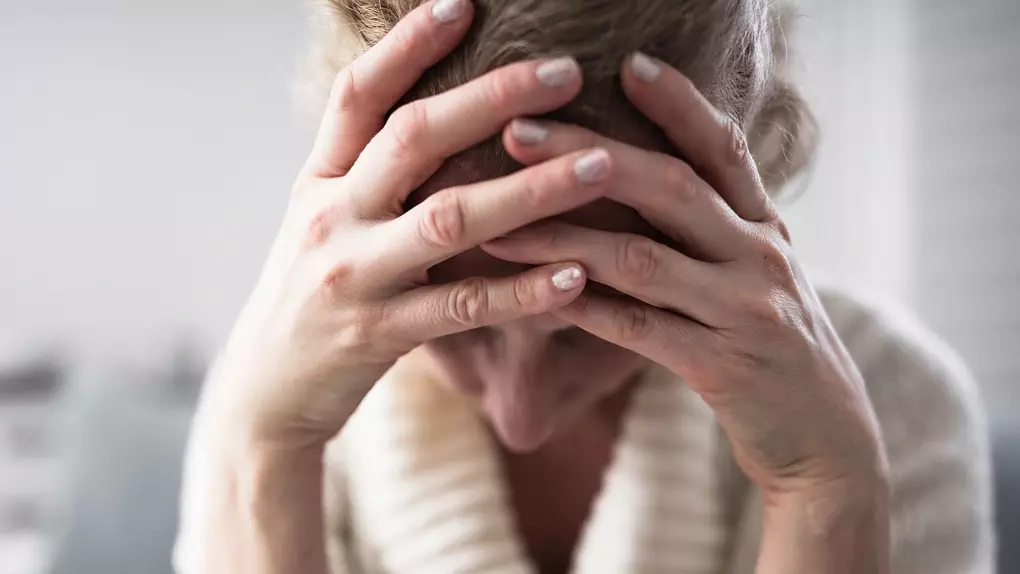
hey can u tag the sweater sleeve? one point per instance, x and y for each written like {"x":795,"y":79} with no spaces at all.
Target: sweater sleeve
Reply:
{"x":335,"y":507}
{"x":196,"y":491}
{"x":194,"y":495}
{"x":936,"y":440}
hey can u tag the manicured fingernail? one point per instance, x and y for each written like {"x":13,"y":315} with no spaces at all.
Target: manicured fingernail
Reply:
{"x":558,"y":73}
{"x":528,"y":132}
{"x":568,"y":279}
{"x":449,"y":10}
{"x":645,"y":68}
{"x":592,"y":167}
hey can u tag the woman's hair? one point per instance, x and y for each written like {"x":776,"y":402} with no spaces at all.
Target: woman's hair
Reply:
{"x":735,"y":52}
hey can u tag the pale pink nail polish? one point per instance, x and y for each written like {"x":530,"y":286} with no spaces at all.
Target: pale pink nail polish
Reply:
{"x":449,"y":10}
{"x":528,"y":132}
{"x":558,"y":73}
{"x":592,"y":167}
{"x":568,"y":279}
{"x":644,"y":67}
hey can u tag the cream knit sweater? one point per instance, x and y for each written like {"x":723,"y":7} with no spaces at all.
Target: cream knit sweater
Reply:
{"x":414,"y":484}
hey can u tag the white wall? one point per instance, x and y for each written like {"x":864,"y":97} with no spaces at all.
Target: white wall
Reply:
{"x":146,"y":150}
{"x":853,"y":221}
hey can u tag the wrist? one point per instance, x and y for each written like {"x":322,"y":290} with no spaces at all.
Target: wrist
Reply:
{"x":841,"y":528}
{"x":267,"y":478}
{"x":264,"y":510}
{"x":249,"y":407}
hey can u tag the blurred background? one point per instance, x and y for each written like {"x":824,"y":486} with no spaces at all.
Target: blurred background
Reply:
{"x":147,"y":149}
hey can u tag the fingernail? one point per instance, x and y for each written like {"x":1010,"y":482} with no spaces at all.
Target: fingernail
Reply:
{"x":558,"y":73}
{"x":568,"y":279}
{"x":592,"y":167}
{"x":528,"y":132}
{"x":645,"y":68}
{"x":449,"y":10}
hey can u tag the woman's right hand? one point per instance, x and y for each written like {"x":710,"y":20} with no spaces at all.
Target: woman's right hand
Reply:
{"x":344,"y":292}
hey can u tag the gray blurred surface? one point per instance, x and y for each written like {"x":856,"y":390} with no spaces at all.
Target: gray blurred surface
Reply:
{"x":1006,"y":449}
{"x":147,"y":149}
{"x":128,"y":444}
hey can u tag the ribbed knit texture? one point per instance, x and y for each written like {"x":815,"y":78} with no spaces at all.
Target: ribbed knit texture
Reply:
{"x":414,"y":483}
{"x":426,"y":495}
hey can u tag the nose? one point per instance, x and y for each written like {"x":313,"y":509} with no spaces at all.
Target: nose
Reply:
{"x":521,"y":393}
{"x":523,"y":343}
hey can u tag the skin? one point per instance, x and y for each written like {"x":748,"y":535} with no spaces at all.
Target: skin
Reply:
{"x":689,"y":266}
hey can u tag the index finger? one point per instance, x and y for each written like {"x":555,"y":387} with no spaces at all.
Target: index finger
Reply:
{"x":365,"y":91}
{"x":457,"y":219}
{"x":711,"y":141}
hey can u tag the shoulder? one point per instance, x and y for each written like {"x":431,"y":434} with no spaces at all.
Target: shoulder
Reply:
{"x":915,"y":381}
{"x":935,"y":434}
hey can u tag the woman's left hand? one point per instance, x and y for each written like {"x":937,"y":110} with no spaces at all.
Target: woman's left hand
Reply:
{"x":729,"y":310}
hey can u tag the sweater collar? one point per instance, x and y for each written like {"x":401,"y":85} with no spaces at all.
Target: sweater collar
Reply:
{"x":428,"y":495}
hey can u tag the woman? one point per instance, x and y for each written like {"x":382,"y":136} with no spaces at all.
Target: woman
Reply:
{"x":605,"y":361}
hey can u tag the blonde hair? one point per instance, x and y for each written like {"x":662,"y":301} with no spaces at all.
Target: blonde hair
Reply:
{"x":735,"y":51}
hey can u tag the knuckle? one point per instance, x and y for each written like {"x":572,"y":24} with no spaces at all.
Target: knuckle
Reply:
{"x":638,"y":261}
{"x":741,"y":360}
{"x":778,"y":264}
{"x":756,"y":307}
{"x":783,"y":231}
{"x":336,"y":278}
{"x":526,"y":296}
{"x":404,"y":39}
{"x":735,"y":142}
{"x":536,"y":187}
{"x":408,"y":128}
{"x":552,"y":238}
{"x":499,"y":89}
{"x":359,"y":330}
{"x":353,"y":333}
{"x":728,"y":294}
{"x":688,"y":91}
{"x":680,"y":179}
{"x":346,"y":95}
{"x":319,"y":228}
{"x":442,"y":223}
{"x":469,"y":303}
{"x":632,"y":323}
{"x":767,"y":312}
{"x":766,"y":309}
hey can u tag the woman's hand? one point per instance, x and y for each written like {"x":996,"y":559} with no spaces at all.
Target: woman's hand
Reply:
{"x":729,"y":311}
{"x":344,"y":293}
